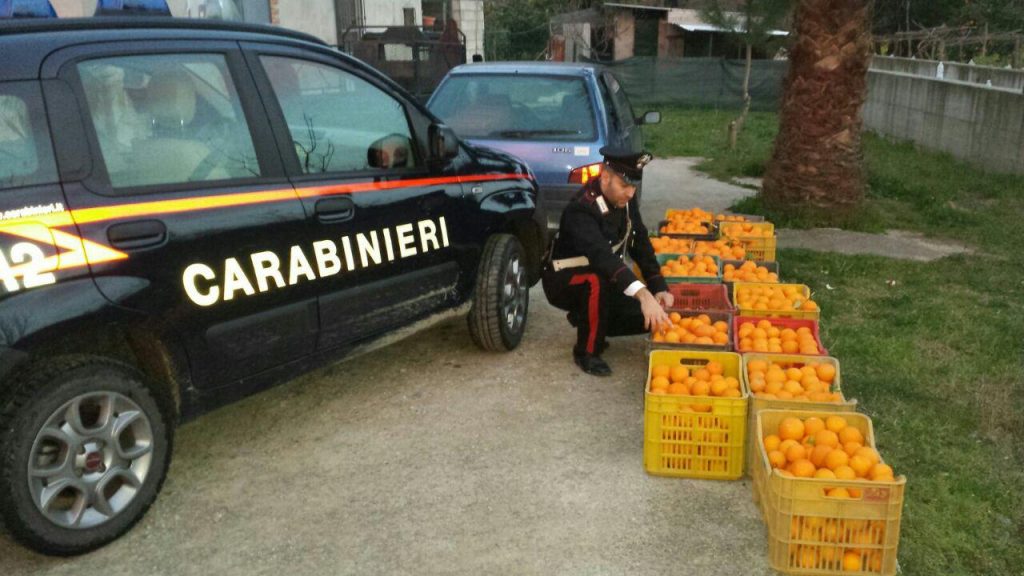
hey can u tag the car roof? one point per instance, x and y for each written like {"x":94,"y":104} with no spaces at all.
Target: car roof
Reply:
{"x":31,"y":40}
{"x":123,"y":23}
{"x":528,"y":67}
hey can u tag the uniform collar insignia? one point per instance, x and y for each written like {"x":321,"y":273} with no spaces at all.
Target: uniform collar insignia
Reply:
{"x":602,"y":205}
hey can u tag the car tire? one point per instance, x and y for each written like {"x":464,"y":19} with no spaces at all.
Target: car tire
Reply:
{"x":84,"y":449}
{"x":497,"y":318}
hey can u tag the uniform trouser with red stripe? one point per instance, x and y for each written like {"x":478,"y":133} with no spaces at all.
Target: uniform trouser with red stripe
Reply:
{"x":600,"y":308}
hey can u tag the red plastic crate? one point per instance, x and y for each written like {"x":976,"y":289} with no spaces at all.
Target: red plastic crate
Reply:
{"x":703,"y":297}
{"x":793,"y":323}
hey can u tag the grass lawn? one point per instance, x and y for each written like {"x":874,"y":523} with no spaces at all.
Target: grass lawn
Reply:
{"x":936,"y":359}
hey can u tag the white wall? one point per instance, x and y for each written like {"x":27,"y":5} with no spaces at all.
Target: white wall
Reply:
{"x":314,"y":17}
{"x":389,"y":12}
{"x":470,"y":16}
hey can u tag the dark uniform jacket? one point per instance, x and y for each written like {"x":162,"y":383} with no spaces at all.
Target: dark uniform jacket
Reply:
{"x":592,"y":227}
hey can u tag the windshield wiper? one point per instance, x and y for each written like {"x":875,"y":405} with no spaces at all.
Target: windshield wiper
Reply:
{"x":526,"y":133}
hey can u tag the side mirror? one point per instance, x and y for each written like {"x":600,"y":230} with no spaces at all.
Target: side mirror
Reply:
{"x":444,"y":145}
{"x":650,"y":118}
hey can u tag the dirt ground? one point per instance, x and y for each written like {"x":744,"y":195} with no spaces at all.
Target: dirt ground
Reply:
{"x":431,"y":457}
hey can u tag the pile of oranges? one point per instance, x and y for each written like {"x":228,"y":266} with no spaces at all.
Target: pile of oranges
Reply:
{"x":669,"y":245}
{"x":749,"y":271}
{"x":692,"y":214}
{"x":773,"y":298}
{"x":833,"y":557}
{"x":697,"y":265}
{"x":724,"y":249}
{"x":747,"y":230}
{"x":693,"y":330}
{"x":807,"y":382}
{"x":825,"y":448}
{"x":684,"y":227}
{"x":708,"y":380}
{"x":764,"y":336}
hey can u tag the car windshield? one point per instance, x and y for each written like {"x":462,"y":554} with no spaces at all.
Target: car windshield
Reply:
{"x":516,"y":107}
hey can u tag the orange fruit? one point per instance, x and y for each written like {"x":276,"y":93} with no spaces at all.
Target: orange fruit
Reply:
{"x":824,"y":473}
{"x":851,"y":434}
{"x":827,"y":438}
{"x":860,"y":465}
{"x":785,"y":444}
{"x":826,"y":372}
{"x":771,"y":442}
{"x":851,"y":448}
{"x":835,"y":423}
{"x":791,"y":428}
{"x":881,"y":472}
{"x":659,"y":383}
{"x":838,"y":493}
{"x":700,"y":388}
{"x":813,"y":425}
{"x":796,"y":452}
{"x":678,"y":373}
{"x":844,"y":472}
{"x":852,"y":562}
{"x":818,"y":454}
{"x":677,"y":389}
{"x":835,"y":459}
{"x":776,"y":459}
{"x":869,"y":453}
{"x":802,"y":468}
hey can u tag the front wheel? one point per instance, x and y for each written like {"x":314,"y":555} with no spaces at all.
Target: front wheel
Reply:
{"x":84,"y":449}
{"x":497,"y":318}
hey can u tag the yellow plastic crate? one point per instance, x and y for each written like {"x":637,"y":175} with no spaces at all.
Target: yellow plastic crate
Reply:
{"x":799,"y":314}
{"x":759,"y":404}
{"x":762,"y":249}
{"x":695,"y":436}
{"x":811,"y":533}
{"x":766,"y":229}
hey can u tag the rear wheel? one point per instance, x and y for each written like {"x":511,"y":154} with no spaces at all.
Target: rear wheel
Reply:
{"x":501,"y":302}
{"x":84,"y":450}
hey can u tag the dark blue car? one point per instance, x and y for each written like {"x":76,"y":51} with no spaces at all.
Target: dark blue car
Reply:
{"x":555,"y":116}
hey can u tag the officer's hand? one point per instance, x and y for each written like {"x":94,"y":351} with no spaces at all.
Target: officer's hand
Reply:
{"x":665,"y":299}
{"x":654,"y":315}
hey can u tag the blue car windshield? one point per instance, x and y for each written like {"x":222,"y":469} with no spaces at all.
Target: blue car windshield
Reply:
{"x":516,"y":107}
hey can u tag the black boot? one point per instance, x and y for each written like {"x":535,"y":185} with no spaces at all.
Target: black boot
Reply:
{"x":592,"y":364}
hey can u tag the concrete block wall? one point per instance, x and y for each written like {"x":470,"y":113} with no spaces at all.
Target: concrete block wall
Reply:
{"x":984,"y":126}
{"x":1000,"y":77}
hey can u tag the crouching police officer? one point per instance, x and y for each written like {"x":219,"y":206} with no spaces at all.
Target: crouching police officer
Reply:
{"x":585,"y":273}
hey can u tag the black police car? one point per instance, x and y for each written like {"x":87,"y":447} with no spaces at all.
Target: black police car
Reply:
{"x":191,"y":211}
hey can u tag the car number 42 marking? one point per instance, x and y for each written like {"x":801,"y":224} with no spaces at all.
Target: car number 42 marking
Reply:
{"x":28,"y":261}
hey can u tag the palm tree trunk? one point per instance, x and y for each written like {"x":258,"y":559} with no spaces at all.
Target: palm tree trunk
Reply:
{"x":816,"y":167}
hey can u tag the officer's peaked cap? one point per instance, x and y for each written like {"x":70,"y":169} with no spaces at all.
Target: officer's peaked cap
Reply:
{"x":626,"y":163}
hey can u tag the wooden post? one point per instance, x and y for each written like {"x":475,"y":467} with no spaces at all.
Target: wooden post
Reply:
{"x":984,"y":41}
{"x":960,"y":48}
{"x":1016,"y":53}
{"x":942,"y":49}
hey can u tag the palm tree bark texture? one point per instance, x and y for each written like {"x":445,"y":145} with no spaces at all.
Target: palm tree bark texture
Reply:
{"x":816,"y":167}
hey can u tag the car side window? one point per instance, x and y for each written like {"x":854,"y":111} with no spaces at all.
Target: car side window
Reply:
{"x":337,"y":121}
{"x":622,"y":108}
{"x":609,"y":106}
{"x":26,"y":154}
{"x":168,"y":119}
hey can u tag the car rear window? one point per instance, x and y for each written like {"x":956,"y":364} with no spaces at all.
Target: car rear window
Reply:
{"x":516,"y":107}
{"x":26,"y":154}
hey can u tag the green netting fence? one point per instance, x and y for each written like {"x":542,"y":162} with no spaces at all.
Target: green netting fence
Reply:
{"x":700,"y":82}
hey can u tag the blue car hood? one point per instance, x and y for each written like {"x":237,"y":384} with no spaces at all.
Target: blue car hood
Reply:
{"x":551,"y":161}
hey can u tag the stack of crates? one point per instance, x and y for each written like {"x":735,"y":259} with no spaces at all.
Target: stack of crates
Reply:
{"x":812,"y":529}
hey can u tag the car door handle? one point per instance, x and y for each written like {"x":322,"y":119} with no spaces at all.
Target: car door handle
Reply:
{"x":334,"y":209}
{"x":138,"y":234}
